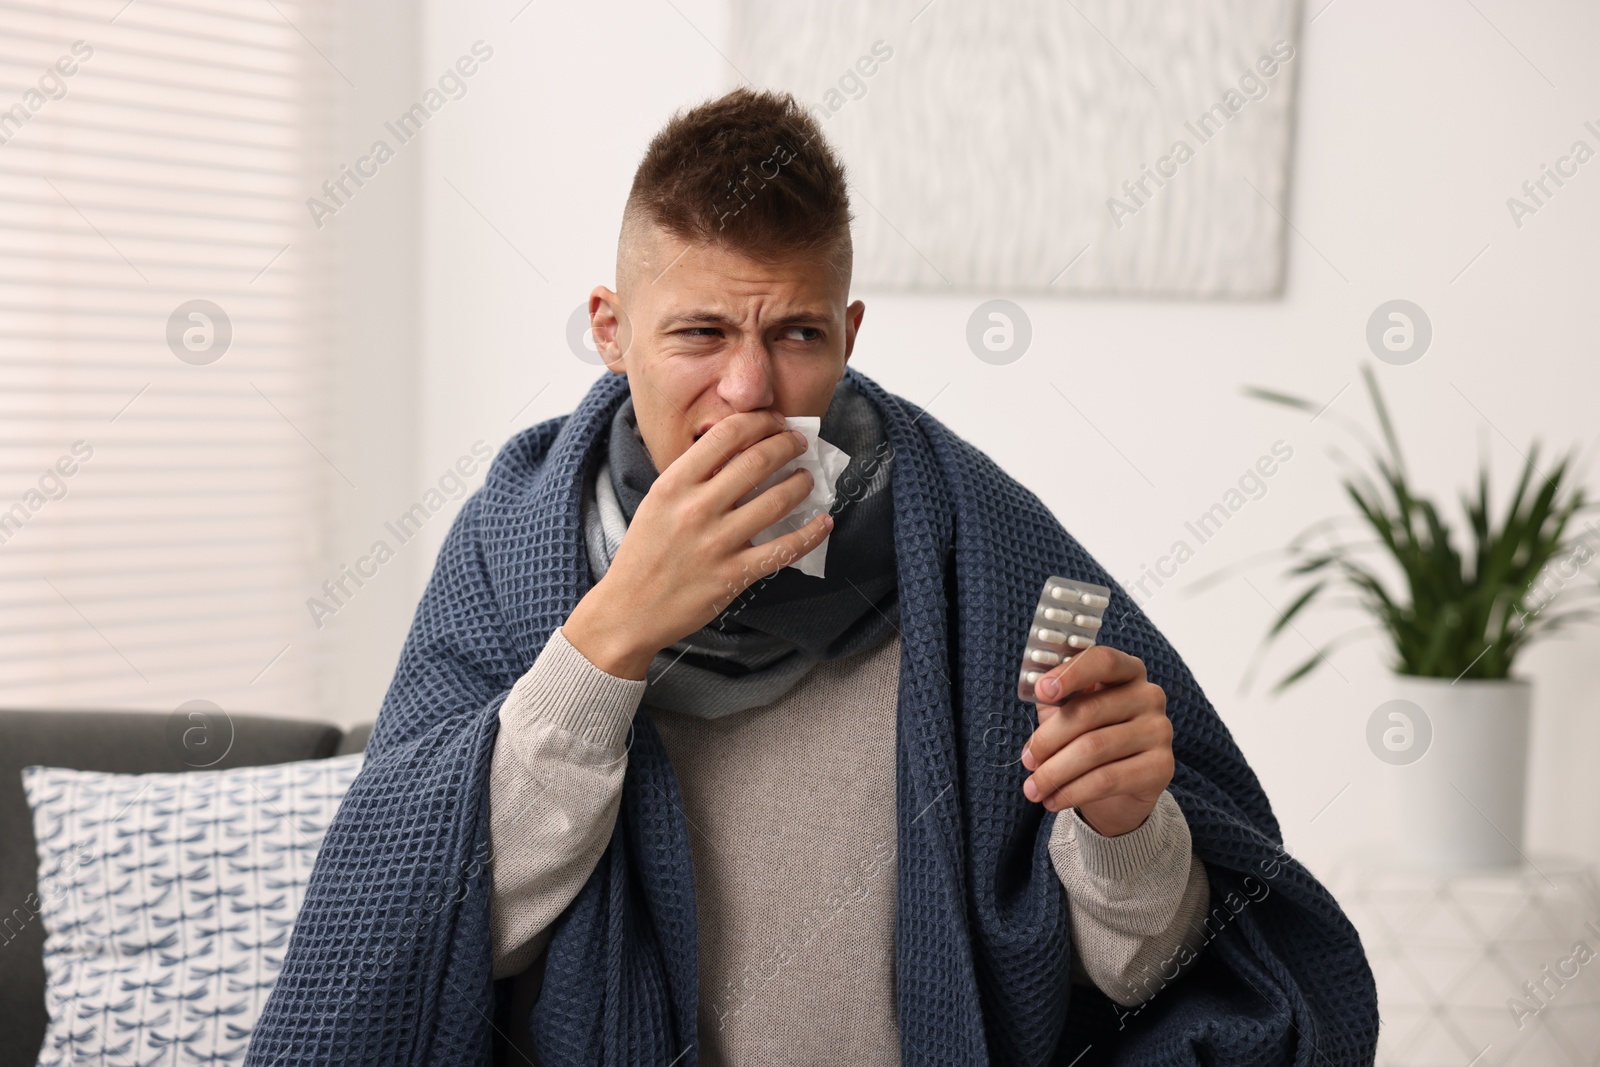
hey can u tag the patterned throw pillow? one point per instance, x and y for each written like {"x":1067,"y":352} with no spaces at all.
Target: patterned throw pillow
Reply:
{"x":168,"y":900}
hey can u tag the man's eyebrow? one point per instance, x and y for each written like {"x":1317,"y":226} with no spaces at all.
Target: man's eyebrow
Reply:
{"x":804,"y":318}
{"x":695,"y":318}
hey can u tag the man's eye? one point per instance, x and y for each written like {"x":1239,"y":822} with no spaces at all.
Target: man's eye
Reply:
{"x":702,"y":331}
{"x":810,"y":333}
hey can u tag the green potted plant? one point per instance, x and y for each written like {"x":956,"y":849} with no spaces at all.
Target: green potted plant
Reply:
{"x":1454,"y":623}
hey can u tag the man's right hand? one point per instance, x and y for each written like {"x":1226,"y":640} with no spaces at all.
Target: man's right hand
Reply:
{"x":687,"y":553}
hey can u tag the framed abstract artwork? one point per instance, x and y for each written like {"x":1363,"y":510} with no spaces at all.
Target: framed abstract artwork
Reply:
{"x":1037,"y":145}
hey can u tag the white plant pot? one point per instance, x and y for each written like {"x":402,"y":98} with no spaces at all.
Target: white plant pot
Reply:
{"x":1462,"y":799}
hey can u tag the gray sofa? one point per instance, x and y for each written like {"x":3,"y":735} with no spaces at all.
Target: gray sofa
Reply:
{"x":122,"y":742}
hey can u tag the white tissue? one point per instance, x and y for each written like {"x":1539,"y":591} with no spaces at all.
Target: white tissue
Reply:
{"x":826,"y":462}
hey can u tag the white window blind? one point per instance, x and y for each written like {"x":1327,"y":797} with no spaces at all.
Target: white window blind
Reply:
{"x":161,"y":502}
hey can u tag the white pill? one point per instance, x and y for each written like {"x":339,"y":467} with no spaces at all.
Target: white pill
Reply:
{"x":1054,"y":637}
{"x":1080,"y":641}
{"x":1045,"y":656}
{"x":1095,"y":600}
{"x":1088,"y":622}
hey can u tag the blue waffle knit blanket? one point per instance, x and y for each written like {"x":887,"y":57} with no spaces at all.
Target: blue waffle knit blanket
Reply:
{"x":389,"y":962}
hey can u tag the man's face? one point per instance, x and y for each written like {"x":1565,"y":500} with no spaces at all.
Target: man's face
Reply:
{"x":703,"y":332}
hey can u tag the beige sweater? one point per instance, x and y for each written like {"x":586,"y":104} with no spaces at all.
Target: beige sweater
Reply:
{"x":791,"y":815}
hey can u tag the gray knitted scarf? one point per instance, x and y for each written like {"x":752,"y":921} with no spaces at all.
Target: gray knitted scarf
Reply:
{"x":765,"y":641}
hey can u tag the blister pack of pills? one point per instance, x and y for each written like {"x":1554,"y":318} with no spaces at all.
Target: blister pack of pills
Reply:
{"x":1066,"y":621}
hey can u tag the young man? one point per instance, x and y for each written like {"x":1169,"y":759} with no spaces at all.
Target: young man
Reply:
{"x":676,"y":801}
{"x":732,"y":310}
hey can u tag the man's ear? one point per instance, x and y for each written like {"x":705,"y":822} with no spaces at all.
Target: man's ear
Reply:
{"x":852,"y":324}
{"x":608,"y":323}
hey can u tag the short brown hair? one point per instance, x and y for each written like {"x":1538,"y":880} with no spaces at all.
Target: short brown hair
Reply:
{"x":749,"y":170}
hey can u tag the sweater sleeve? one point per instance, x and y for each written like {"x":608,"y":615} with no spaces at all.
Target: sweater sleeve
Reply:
{"x":555,"y":786}
{"x":1135,"y":902}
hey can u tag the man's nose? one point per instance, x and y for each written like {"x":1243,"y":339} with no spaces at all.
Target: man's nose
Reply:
{"x":747,"y":379}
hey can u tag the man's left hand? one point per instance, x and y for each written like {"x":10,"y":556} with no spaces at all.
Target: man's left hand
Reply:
{"x":1107,"y":752}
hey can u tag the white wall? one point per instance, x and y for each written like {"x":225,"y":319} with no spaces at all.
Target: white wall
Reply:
{"x":375,"y":415}
{"x":1415,"y":123}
